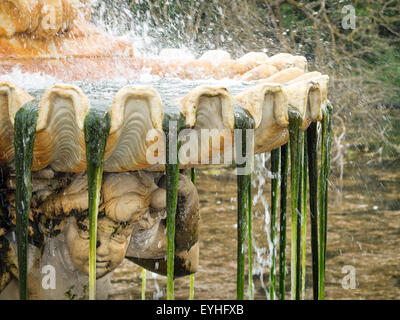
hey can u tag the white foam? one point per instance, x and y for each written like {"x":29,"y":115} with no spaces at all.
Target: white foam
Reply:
{"x":29,"y":81}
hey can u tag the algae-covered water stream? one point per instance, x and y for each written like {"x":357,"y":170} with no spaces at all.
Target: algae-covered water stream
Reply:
{"x":25,"y":125}
{"x":97,"y":127}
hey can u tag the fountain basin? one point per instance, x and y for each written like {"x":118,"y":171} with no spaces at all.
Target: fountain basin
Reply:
{"x":136,"y":110}
{"x":213,"y":97}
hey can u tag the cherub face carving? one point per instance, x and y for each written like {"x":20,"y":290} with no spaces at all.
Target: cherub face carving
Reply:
{"x":132,"y":213}
{"x":112,"y":242}
{"x":126,"y":198}
{"x":60,"y":205}
{"x":131,"y":221}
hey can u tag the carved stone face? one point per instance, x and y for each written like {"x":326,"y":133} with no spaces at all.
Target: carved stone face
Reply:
{"x":131,"y":220}
{"x":126,"y":198}
{"x":112,"y":243}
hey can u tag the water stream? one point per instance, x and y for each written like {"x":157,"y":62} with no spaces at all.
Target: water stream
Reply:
{"x":284,"y":170}
{"x":312,"y":141}
{"x":275,"y":165}
{"x":326,"y":140}
{"x":295,"y":133}
{"x":24,"y":138}
{"x":172,"y":124}
{"x":243,"y":122}
{"x":96,"y":128}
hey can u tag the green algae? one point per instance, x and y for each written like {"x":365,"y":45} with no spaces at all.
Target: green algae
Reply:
{"x":312,"y":142}
{"x":295,"y":134}
{"x":326,"y":141}
{"x":304,"y":217}
{"x":282,"y":223}
{"x":275,"y":168}
{"x":24,"y":139}
{"x":243,"y":122}
{"x":172,"y":124}
{"x":191,"y":289}
{"x":96,"y":128}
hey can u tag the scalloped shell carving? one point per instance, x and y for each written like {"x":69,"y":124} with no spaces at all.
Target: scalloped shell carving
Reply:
{"x":136,"y":110}
{"x":59,"y":138}
{"x":268,"y":105}
{"x":11,"y":99}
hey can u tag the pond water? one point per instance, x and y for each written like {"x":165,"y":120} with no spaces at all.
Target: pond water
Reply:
{"x":363,"y":237}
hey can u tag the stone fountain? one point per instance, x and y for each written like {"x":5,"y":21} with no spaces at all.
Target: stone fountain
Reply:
{"x":56,"y":38}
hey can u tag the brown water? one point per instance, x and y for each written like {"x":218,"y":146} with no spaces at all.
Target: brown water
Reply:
{"x":363,"y":233}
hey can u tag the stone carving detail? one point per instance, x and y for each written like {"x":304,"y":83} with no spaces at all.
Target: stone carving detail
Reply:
{"x":131,"y":224}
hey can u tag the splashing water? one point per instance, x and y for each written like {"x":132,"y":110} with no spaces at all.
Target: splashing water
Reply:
{"x":263,"y":258}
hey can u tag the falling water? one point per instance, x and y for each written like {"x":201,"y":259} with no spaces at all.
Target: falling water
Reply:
{"x":159,"y":292}
{"x":143,"y":284}
{"x":250,"y":240}
{"x":282,"y":223}
{"x":191,"y":290}
{"x":172,"y":124}
{"x":303,"y":206}
{"x":295,"y":133}
{"x":243,"y":121}
{"x":262,"y":256}
{"x":24,"y":138}
{"x":312,"y":141}
{"x":96,"y":128}
{"x":275,"y":164}
{"x":326,"y":139}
